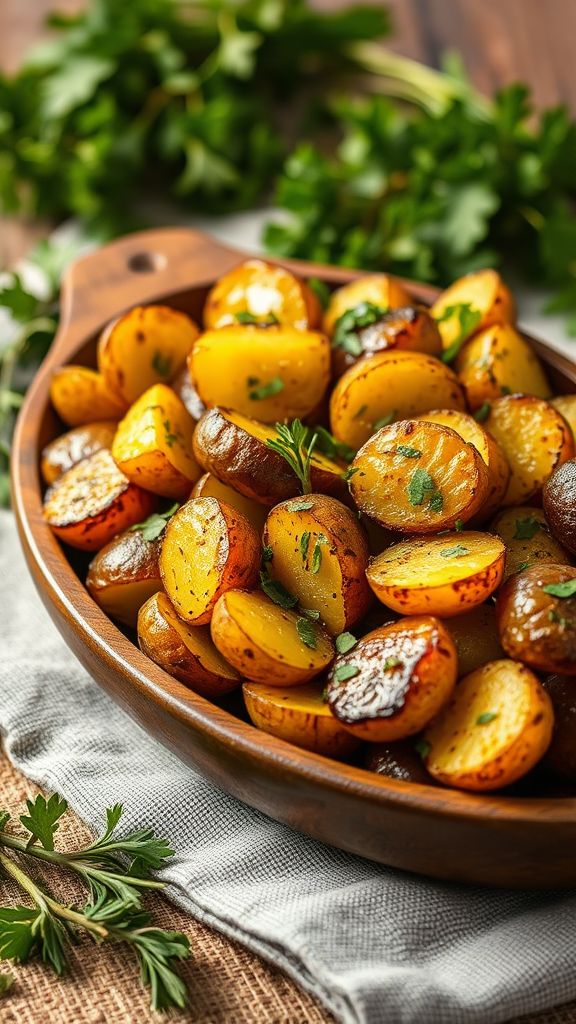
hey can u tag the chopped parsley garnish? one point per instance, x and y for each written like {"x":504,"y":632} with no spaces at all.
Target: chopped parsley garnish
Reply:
{"x":328,"y":445}
{"x":422,"y":487}
{"x":423,"y":748}
{"x":272,"y":387}
{"x":311,"y":613}
{"x":267,"y":553}
{"x":244,"y":316}
{"x":407,"y":452}
{"x":483,"y":412}
{"x":299,"y":506}
{"x":567,"y":589}
{"x":304,"y":544}
{"x":458,"y":551}
{"x":349,"y":473}
{"x":486,"y":717}
{"x":553,"y":616}
{"x":170,"y":436}
{"x":392,"y":662}
{"x":527,"y":527}
{"x":306,"y":632}
{"x":345,"y":642}
{"x":344,"y":672}
{"x":351,"y":322}
{"x":162,"y":364}
{"x":152,"y":527}
{"x":317,"y":554}
{"x":468,"y":319}
{"x":277,"y":592}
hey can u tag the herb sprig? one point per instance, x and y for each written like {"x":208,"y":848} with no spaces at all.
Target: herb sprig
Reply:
{"x":295,"y":446}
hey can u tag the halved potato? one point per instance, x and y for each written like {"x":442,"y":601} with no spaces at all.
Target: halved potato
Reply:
{"x":527,"y":537}
{"x":444,"y":575}
{"x":234,"y":448}
{"x":566,"y":406}
{"x":485,"y":292}
{"x":497,"y":361}
{"x":66,"y":450}
{"x":535,"y":439}
{"x":124,"y":574}
{"x":209,"y":486}
{"x":494,"y":730}
{"x":394,"y":681}
{"x":410,"y":328}
{"x":320,"y":554}
{"x":153,"y":444}
{"x":80,"y":395}
{"x":266,"y":643}
{"x":188,"y":395}
{"x":559,"y":500}
{"x":418,"y":477}
{"x":400,"y":761}
{"x":208,"y":548}
{"x":185,"y":652}
{"x":274,"y":374}
{"x":93,"y":501}
{"x":473,"y":432}
{"x":146,"y":346}
{"x":379,"y":289}
{"x":300,"y":715}
{"x":476,"y":637}
{"x":265,"y":292}
{"x":390,"y":386}
{"x":536,"y":614}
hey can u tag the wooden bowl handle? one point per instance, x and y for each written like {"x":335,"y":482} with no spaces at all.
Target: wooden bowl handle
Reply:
{"x":137,"y":268}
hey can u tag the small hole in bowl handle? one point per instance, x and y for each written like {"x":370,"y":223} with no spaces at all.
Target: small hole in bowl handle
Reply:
{"x":146,"y":262}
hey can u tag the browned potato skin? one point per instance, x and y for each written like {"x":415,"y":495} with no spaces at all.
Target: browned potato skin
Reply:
{"x":535,"y":627}
{"x":560,"y":758}
{"x":283,"y":713}
{"x":559,"y":499}
{"x":476,"y":638}
{"x":209,"y":486}
{"x":66,"y":450}
{"x":81,"y":395}
{"x":188,"y":395}
{"x":384,"y":704}
{"x":128,"y":564}
{"x":159,"y":641}
{"x":247,"y":464}
{"x":410,"y":327}
{"x":398,"y":761}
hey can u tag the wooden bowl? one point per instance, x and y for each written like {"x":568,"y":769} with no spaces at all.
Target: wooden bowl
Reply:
{"x":496,"y":840}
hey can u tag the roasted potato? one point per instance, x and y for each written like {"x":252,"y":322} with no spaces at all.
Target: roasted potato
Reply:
{"x":560,"y":758}
{"x":80,"y":396}
{"x":390,"y":386}
{"x":485,"y":293}
{"x":319,"y":552}
{"x":394,"y":681}
{"x":153,"y":444}
{"x":273,"y":374}
{"x":410,"y":328}
{"x":124,"y":574}
{"x":266,"y":643}
{"x":234,"y":448}
{"x":526,"y":534}
{"x":146,"y":346}
{"x":496,"y":362}
{"x":377,"y":289}
{"x":418,"y":477}
{"x":535,"y":439}
{"x":400,"y":761}
{"x":66,"y":450}
{"x":494,"y":730}
{"x":260,"y":292}
{"x":185,"y":652}
{"x":208,"y":548}
{"x":473,"y":432}
{"x":536,"y":614}
{"x":476,"y":638}
{"x":445,"y":575}
{"x":300,"y":715}
{"x":559,"y":499}
{"x":93,"y":501}
{"x":209,"y":486}
{"x":188,"y":395}
{"x":566,"y":406}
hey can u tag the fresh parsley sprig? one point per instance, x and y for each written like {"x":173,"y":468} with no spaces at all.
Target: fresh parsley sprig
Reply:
{"x":295,"y":446}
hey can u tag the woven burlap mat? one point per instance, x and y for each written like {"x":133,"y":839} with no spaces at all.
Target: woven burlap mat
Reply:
{"x":227,"y":984}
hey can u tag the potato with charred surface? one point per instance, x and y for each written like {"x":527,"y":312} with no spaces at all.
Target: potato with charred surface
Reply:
{"x":559,"y":499}
{"x":80,"y":395}
{"x":535,"y":439}
{"x":400,"y":761}
{"x":526,"y":534}
{"x":536,"y":613}
{"x":188,"y":395}
{"x":272,"y":373}
{"x":185,"y":652}
{"x":410,"y":328}
{"x":496,"y":362}
{"x":390,"y":386}
{"x":394,"y":681}
{"x":153,"y":444}
{"x":237,"y":451}
{"x":418,"y":477}
{"x":445,"y":575}
{"x":93,"y":501}
{"x":146,"y":346}
{"x":257,"y":292}
{"x":379,"y":290}
{"x":484,"y":295}
{"x":299,"y":715}
{"x":66,"y":450}
{"x":497,"y":726}
{"x":267,"y":643}
{"x":208,"y":548}
{"x":319,"y":552}
{"x":124,"y":574}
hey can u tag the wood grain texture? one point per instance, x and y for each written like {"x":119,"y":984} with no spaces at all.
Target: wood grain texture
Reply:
{"x":493,"y":839}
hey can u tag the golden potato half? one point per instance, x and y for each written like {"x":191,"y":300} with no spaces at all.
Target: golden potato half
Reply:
{"x":66,"y":450}
{"x":266,"y":643}
{"x":262,"y":292}
{"x":124,"y":574}
{"x":418,"y":477}
{"x":496,"y":362}
{"x":300,"y":715}
{"x":378,"y":289}
{"x":526,"y":534}
{"x":444,"y":575}
{"x":80,"y":395}
{"x":209,"y":486}
{"x":485,"y":293}
{"x":494,"y":730}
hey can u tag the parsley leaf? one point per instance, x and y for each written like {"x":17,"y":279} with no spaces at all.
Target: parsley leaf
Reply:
{"x":307,"y":632}
{"x":299,"y":506}
{"x":486,"y":717}
{"x":317,"y":554}
{"x":272,"y":387}
{"x":277,"y":592}
{"x":154,"y":526}
{"x":343,"y":672}
{"x":458,"y":551}
{"x":349,"y":473}
{"x":304,"y":544}
{"x":420,"y":486}
{"x":407,"y":452}
{"x":267,"y":553}
{"x":345,"y":642}
{"x":482,"y":414}
{"x":563,"y":590}
{"x":526,"y":528}
{"x":391,"y":662}
{"x":42,"y":820}
{"x":348,"y":325}
{"x":162,"y":364}
{"x":423,"y":748}
{"x":328,"y":445}
{"x":467,"y":318}
{"x":264,"y":320}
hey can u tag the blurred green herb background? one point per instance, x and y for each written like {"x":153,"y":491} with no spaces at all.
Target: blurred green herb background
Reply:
{"x":221,"y":105}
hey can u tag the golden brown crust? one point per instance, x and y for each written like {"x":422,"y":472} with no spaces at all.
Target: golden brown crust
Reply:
{"x":535,"y":626}
{"x":66,"y":450}
{"x":299,"y":715}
